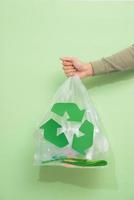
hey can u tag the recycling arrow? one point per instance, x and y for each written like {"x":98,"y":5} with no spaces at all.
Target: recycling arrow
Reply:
{"x":75,"y":114}
{"x":50,"y":133}
{"x":80,"y":144}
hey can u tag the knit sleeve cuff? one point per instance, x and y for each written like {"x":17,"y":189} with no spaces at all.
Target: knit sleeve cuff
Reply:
{"x":98,"y":67}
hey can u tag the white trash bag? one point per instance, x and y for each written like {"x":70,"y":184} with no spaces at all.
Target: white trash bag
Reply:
{"x":70,"y":134}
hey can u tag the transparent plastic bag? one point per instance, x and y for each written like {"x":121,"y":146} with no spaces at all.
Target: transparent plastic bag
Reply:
{"x":70,"y":135}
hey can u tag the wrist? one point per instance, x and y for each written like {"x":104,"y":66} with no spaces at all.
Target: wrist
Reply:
{"x":89,"y":69}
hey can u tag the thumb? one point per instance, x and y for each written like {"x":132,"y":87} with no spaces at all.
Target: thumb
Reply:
{"x":70,"y":59}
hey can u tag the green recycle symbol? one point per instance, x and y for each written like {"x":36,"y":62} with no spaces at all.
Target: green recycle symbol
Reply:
{"x":80,"y":143}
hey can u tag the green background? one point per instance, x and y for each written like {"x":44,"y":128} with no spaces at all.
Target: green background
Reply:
{"x":34,"y":34}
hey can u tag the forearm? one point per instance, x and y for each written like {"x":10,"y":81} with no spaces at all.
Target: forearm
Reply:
{"x":117,"y":62}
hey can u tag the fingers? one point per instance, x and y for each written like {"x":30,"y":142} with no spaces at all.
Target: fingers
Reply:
{"x":69,"y":71}
{"x":68,"y":67}
{"x":66,"y":63}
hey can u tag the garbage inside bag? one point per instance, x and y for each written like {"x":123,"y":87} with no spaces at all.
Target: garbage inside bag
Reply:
{"x":70,"y":135}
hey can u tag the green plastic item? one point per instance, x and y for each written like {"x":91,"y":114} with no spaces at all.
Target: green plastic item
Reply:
{"x":79,"y":162}
{"x":84,"y":162}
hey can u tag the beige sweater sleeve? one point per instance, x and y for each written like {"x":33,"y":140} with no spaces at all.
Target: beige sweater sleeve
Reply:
{"x":117,"y":62}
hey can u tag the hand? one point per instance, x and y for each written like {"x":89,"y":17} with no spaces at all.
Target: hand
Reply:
{"x":73,"y":66}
